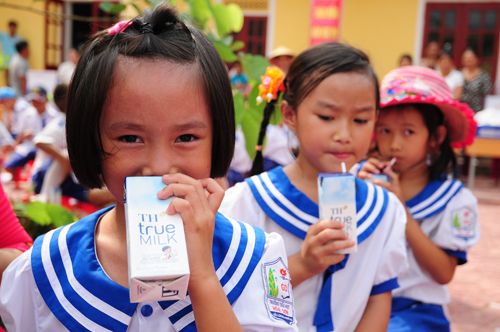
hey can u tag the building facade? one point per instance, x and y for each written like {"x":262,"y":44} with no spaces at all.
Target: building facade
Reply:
{"x":384,"y":29}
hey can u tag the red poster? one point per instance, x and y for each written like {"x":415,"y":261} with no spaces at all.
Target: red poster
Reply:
{"x":325,"y":21}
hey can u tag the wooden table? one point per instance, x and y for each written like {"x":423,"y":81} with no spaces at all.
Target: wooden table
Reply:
{"x":482,"y":147}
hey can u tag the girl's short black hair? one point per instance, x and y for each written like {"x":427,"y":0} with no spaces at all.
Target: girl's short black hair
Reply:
{"x":317,"y":63}
{"x":443,"y":160}
{"x":168,"y":38}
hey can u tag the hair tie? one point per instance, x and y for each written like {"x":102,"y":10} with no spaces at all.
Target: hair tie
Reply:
{"x":146,"y":28}
{"x":258,"y":148}
{"x":119,"y":27}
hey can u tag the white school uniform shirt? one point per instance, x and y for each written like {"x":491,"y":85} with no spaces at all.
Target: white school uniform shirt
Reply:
{"x":59,"y":285}
{"x":448,"y":215}
{"x":53,"y":133}
{"x":270,"y":201}
{"x":241,"y":162}
{"x":280,"y":141}
{"x":29,"y":119}
{"x":454,"y":79}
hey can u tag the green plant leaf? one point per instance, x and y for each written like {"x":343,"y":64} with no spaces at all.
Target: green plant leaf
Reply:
{"x":59,"y":215}
{"x":250,"y":125}
{"x":112,"y":8}
{"x":222,"y":19}
{"x":237,"y":45}
{"x":239,"y":107}
{"x":254,"y":66}
{"x":276,"y":117}
{"x":36,"y":211}
{"x":200,"y":11}
{"x":227,"y":40}
{"x":236,"y":17}
{"x":225,"y":52}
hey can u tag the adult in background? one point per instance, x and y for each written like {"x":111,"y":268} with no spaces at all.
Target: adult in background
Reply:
{"x":281,"y":57}
{"x":405,"y":60}
{"x":18,"y":69}
{"x":477,"y":84}
{"x":9,"y":40}
{"x":432,"y":52}
{"x":453,"y":77}
{"x":66,"y":69}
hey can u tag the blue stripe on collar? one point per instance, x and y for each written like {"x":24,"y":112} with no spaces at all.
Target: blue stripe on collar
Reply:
{"x":237,"y":250}
{"x":434,"y":198}
{"x":63,"y":278}
{"x":295,"y":212}
{"x":83,"y":298}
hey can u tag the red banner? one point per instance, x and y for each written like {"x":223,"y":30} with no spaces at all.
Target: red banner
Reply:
{"x":325,"y":21}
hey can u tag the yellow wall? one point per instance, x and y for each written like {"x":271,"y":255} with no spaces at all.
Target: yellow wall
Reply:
{"x":292,"y":24}
{"x":385,"y":29}
{"x":30,"y":26}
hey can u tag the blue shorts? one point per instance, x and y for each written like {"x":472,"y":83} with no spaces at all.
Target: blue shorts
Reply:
{"x":413,"y":316}
{"x":16,"y":160}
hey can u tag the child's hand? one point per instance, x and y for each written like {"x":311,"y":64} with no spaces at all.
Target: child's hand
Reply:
{"x":372,"y":166}
{"x":375,"y":166}
{"x":197,"y":202}
{"x":317,"y":252}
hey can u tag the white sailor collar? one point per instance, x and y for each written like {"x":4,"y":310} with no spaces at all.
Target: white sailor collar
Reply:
{"x":295,"y":212}
{"x":434,"y":198}
{"x":82,"y":297}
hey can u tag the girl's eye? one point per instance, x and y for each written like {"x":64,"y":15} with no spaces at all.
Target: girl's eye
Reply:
{"x":383,"y":131}
{"x":325,"y":118}
{"x":408,"y":132}
{"x":130,"y":139}
{"x":186,"y":138}
{"x":360,"y":121}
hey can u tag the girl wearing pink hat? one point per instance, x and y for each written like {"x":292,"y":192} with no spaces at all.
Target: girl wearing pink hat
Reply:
{"x":417,"y":124}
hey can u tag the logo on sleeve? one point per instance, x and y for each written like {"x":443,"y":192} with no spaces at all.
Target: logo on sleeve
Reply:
{"x":464,"y":223}
{"x":278,"y":298}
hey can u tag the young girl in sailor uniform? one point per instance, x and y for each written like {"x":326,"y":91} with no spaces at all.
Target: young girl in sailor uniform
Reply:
{"x":417,"y":122}
{"x":150,"y":97}
{"x":330,"y":102}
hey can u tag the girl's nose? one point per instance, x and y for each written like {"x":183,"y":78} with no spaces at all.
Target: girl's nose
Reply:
{"x":395,"y":143}
{"x":342,"y":134}
{"x":159,"y":162}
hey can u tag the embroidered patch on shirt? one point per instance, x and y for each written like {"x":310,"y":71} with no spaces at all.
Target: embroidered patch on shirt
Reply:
{"x":464,"y":223}
{"x":278,"y":298}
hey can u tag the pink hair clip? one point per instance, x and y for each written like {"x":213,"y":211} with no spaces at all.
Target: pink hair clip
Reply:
{"x":119,"y":27}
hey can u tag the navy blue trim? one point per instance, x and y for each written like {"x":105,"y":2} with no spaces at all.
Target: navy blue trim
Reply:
{"x":302,"y":202}
{"x":428,"y":191}
{"x":83,"y":263}
{"x":461,"y":255}
{"x":384,"y":287}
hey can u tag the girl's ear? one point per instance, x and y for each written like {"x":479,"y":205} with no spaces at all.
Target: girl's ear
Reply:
{"x":441,"y":133}
{"x":289,"y":115}
{"x":438,"y":139}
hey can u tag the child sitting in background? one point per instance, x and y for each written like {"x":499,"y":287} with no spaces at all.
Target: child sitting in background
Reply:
{"x":30,"y":122}
{"x":417,"y":123}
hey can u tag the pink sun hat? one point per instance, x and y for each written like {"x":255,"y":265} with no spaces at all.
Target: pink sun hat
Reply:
{"x":419,"y":85}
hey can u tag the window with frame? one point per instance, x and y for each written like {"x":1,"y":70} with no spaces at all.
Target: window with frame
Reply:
{"x":458,"y":26}
{"x":253,"y":34}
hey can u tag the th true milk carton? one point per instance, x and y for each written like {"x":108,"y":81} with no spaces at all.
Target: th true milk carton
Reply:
{"x":158,"y":267}
{"x":337,"y":201}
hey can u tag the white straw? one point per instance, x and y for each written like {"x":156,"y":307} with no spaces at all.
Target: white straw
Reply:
{"x":344,"y":170}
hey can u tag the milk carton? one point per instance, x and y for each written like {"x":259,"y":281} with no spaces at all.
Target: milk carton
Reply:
{"x":337,"y":201}
{"x":158,"y":267}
